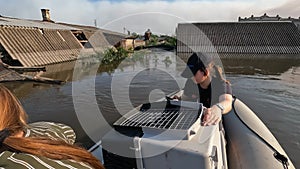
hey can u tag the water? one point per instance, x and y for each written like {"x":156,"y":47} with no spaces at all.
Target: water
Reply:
{"x":96,"y":95}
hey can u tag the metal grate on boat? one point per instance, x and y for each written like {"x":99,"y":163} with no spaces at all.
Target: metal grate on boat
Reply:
{"x":180,"y":119}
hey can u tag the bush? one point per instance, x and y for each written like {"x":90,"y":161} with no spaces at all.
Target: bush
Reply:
{"x":171,"y":41}
{"x":112,"y":55}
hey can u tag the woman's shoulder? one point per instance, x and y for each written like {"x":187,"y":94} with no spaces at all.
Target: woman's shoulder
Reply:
{"x":51,"y":130}
{"x":12,"y":160}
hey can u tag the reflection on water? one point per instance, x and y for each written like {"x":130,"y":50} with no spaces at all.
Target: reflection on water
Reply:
{"x":260,"y":66}
{"x":246,"y":64}
{"x":291,"y":76}
{"x":123,"y":85}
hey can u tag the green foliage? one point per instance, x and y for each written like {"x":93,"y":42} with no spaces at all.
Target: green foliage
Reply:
{"x":171,"y":41}
{"x":153,"y":40}
{"x":113,"y":55}
{"x":165,"y":40}
{"x":134,"y":34}
{"x":137,"y":56}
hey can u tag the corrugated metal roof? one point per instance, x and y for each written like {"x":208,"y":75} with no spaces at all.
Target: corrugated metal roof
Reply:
{"x":34,"y":47}
{"x":6,"y":21}
{"x":104,"y":35}
{"x":36,"y":43}
{"x":113,"y":39}
{"x":239,"y":37}
{"x":97,"y":40}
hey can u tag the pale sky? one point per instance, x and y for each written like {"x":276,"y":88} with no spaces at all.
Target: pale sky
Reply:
{"x":161,"y":17}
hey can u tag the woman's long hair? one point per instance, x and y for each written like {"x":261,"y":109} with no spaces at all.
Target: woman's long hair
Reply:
{"x":14,"y":119}
{"x":218,"y":73}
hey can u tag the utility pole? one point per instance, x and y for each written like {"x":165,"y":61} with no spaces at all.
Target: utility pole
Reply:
{"x":95,"y":22}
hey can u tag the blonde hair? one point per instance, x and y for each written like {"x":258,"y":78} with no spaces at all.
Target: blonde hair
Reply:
{"x":12,"y":114}
{"x":14,"y":119}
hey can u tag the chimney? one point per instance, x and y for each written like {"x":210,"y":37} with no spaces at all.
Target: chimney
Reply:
{"x":46,"y":15}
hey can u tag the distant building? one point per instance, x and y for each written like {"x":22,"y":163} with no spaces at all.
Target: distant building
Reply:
{"x":148,"y":34}
{"x":270,"y":37}
{"x":131,"y":43}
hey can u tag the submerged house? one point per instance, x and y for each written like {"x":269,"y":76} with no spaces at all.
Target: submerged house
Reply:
{"x":9,"y":75}
{"x":92,"y":37}
{"x":267,"y":37}
{"x":33,"y":43}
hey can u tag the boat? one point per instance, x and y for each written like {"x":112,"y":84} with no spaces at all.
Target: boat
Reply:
{"x":167,"y":134}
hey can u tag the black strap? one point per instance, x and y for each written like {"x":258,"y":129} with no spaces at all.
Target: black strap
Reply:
{"x":3,"y":147}
{"x":280,"y":157}
{"x":3,"y":135}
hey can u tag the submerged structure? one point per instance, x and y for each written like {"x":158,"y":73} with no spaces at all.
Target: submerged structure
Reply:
{"x":259,"y":37}
{"x":33,"y":43}
{"x":7,"y":75}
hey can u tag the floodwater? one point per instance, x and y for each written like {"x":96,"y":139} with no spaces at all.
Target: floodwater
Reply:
{"x":96,"y":95}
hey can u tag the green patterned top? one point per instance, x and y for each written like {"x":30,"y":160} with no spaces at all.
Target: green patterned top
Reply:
{"x":54,"y":131}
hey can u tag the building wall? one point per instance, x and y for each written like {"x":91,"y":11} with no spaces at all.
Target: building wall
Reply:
{"x":127,"y":44}
{"x":131,"y":44}
{"x":139,"y":43}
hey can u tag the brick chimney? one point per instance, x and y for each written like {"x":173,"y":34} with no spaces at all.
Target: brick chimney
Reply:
{"x":46,"y":15}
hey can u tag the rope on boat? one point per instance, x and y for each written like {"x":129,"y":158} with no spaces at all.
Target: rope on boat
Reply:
{"x":280,"y":157}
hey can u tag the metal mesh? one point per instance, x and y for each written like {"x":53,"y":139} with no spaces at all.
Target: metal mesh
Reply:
{"x":162,"y":118}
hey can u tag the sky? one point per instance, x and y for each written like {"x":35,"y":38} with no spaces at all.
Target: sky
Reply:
{"x":161,"y":17}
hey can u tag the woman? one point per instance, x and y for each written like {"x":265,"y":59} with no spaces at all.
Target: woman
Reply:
{"x":206,"y":84}
{"x":40,"y":145}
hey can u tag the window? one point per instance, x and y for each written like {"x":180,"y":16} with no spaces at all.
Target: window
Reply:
{"x":42,"y":31}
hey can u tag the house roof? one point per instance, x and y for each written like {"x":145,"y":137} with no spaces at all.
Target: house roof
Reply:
{"x":34,"y":43}
{"x":239,"y":37}
{"x":8,"y":21}
{"x":110,"y":37}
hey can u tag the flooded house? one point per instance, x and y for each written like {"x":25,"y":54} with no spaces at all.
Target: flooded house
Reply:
{"x":96,"y":38}
{"x":244,"y":37}
{"x":132,"y":43}
{"x":30,"y":43}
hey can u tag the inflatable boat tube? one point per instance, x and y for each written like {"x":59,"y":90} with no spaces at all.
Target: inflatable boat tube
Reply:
{"x":250,"y":144}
